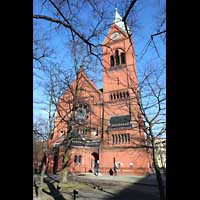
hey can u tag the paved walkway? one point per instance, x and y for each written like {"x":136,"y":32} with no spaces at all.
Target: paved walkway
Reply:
{"x":111,"y":188}
{"x":146,"y":180}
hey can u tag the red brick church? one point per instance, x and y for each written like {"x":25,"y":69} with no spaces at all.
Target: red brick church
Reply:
{"x":107,"y":122}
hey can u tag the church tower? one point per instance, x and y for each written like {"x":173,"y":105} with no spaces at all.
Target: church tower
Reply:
{"x":119,"y":75}
{"x":122,"y":116}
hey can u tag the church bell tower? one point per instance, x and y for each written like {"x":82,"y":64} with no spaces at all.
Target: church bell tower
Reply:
{"x":119,"y":83}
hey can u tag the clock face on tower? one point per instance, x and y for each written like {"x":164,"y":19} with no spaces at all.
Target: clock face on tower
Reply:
{"x":115,"y":35}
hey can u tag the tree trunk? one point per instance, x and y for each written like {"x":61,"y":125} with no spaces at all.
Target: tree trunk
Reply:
{"x":64,"y":175}
{"x":43,"y":168}
{"x":42,"y":173}
{"x":160,"y":183}
{"x":158,"y":174}
{"x":64,"y":172}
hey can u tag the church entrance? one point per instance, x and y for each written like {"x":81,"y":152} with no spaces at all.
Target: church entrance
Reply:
{"x":95,"y":163}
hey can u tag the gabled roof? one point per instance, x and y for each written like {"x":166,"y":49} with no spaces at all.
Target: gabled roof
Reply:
{"x":83,"y":74}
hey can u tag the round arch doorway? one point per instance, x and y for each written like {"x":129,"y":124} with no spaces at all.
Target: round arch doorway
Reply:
{"x":95,"y":164}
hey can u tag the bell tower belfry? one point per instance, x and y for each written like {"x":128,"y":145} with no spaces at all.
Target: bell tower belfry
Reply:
{"x":119,"y":66}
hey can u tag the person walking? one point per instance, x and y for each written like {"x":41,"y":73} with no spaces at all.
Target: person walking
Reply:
{"x":115,"y":169}
{"x":96,"y":168}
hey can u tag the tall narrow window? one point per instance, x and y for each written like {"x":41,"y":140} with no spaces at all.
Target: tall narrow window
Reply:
{"x":75,"y":158}
{"x":116,"y":139}
{"x":114,"y":97}
{"x":124,"y":95}
{"x":111,"y":97}
{"x":117,"y":96}
{"x":117,"y":57}
{"x":79,"y":159}
{"x":122,"y":136}
{"x":123,"y":61}
{"x":119,"y":136}
{"x":127,"y":94}
{"x":113,"y":139}
{"x":125,"y":137}
{"x":128,"y":136}
{"x":112,"y":61}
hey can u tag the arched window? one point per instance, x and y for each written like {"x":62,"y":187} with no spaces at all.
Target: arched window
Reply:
{"x":113,"y":139}
{"x":124,"y":95}
{"x":127,"y":94}
{"x":125,"y":137}
{"x":128,"y":136}
{"x":111,"y":97}
{"x":117,"y":57}
{"x":114,"y":96}
{"x":123,"y":60}
{"x":119,"y":136}
{"x":75,"y":158}
{"x":120,"y":94}
{"x":122,"y":136}
{"x":116,"y":139}
{"x":112,"y":62}
{"x":79,"y":160}
{"x":117,"y":96}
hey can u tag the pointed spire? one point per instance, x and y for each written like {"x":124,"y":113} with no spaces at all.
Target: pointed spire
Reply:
{"x":118,"y":18}
{"x":118,"y":21}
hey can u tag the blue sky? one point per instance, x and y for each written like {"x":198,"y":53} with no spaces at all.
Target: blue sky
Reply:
{"x":147,"y":14}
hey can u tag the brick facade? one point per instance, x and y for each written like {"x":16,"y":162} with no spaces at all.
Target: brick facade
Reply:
{"x":111,"y":131}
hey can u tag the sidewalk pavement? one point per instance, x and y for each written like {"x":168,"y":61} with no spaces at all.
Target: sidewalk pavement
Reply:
{"x":143,"y":180}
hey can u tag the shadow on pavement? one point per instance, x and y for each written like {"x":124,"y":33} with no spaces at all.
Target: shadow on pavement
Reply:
{"x":52,"y":189}
{"x":145,"y":189}
{"x":118,"y":188}
{"x":110,"y":188}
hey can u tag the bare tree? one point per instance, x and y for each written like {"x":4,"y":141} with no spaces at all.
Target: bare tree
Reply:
{"x":69,"y":18}
{"x":150,"y":96}
{"x":53,"y":89}
{"x":85,"y":39}
{"x":39,"y":143}
{"x":59,"y":107}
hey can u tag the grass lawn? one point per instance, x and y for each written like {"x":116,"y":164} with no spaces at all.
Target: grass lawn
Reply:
{"x":66,"y":189}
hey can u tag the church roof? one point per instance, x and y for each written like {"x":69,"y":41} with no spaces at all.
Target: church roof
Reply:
{"x":118,"y":21}
{"x":82,"y":73}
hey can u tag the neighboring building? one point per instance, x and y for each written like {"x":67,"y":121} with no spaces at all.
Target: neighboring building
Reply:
{"x":106,"y":122}
{"x":161,"y":152}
